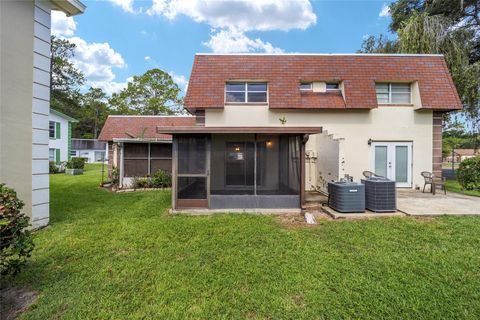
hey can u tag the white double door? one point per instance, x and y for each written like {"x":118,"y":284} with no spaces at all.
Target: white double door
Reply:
{"x":394,"y":161}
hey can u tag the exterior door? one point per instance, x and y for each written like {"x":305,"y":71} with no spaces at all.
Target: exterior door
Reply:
{"x":393,"y":160}
{"x":192,"y":173}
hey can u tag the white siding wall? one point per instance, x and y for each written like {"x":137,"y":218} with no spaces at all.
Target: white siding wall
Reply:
{"x":40,"y":113}
{"x":61,"y":143}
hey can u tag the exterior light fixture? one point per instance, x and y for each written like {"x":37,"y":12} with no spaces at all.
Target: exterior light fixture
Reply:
{"x":369,"y":142}
{"x":269,"y":143}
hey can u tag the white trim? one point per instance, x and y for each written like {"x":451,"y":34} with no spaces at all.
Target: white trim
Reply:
{"x":321,"y":54}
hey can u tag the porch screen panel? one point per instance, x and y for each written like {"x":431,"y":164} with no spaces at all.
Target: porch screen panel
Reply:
{"x":160,"y":157}
{"x":192,"y":177}
{"x":191,"y":155}
{"x":278,"y":165}
{"x":192,"y":188}
{"x":135,"y":163}
{"x":160,"y":164}
{"x":232,"y":164}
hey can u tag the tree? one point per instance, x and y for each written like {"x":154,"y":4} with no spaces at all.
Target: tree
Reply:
{"x":152,"y":93}
{"x":65,"y":79}
{"x":92,"y":114}
{"x":448,"y":27}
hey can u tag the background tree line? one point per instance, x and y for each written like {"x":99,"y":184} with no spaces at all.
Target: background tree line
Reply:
{"x":153,"y":93}
{"x":451,"y":28}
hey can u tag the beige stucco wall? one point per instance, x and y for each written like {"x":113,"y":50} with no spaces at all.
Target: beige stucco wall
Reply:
{"x":353,"y":127}
{"x":16,"y":78}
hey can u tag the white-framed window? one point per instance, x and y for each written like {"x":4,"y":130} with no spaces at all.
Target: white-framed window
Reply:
{"x":306,"y":86}
{"x":51,"y":129}
{"x":99,"y":156}
{"x":393,"y":93}
{"x":51,"y":154}
{"x":246,"y":92}
{"x":332,"y":86}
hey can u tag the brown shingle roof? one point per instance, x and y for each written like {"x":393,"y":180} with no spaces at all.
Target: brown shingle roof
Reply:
{"x":131,"y":127}
{"x":284,"y":72}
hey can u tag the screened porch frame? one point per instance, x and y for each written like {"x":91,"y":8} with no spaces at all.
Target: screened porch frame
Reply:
{"x":178,"y":203}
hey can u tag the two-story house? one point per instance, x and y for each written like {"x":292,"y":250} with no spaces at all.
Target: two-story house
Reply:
{"x":270,"y":126}
{"x":60,"y":136}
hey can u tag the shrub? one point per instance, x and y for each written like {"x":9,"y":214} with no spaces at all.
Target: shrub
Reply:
{"x":76,"y":163}
{"x":16,"y":241}
{"x":161,"y":179}
{"x":140,"y":182}
{"x":468,"y":173}
{"x":52,"y":167}
{"x":115,"y":176}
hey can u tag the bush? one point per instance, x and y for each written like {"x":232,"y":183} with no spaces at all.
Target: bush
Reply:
{"x":52,"y":167}
{"x":161,"y":179}
{"x":139,"y":183}
{"x":16,"y":242}
{"x":115,"y":176}
{"x":468,"y":173}
{"x":76,"y":163}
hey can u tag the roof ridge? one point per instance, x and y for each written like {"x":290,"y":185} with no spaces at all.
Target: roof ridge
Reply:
{"x":319,"y":54}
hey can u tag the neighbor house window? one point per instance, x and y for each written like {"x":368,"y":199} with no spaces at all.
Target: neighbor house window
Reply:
{"x":99,"y":156}
{"x":246,"y":92}
{"x":306,"y":86}
{"x":51,"y":129}
{"x":393,"y":93}
{"x":51,"y":154}
{"x":332,"y":86}
{"x":143,"y":159}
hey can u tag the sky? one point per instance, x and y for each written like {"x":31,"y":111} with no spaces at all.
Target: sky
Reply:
{"x":117,"y":39}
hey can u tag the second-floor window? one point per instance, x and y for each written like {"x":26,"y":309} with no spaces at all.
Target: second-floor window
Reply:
{"x":246,"y":92}
{"x":393,"y":93}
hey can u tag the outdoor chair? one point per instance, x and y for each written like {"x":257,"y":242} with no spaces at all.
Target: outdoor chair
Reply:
{"x":434,"y":182}
{"x":369,"y":174}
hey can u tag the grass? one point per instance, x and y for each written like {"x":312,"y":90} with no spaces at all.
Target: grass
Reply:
{"x":454,"y":186}
{"x":121,"y":256}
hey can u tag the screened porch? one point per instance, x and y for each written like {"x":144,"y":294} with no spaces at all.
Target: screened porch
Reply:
{"x":234,"y":170}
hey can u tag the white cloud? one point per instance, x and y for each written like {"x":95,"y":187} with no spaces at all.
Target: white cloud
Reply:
{"x":147,"y":58}
{"x":96,"y":61}
{"x":231,"y":40}
{"x":62,"y":25}
{"x":126,"y":5}
{"x":180,"y":80}
{"x":385,"y":11}
{"x":244,"y":15}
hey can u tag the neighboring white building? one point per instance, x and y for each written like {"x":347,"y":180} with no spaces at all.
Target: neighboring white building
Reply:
{"x":25,"y":99}
{"x":60,"y":136}
{"x":95,"y":151}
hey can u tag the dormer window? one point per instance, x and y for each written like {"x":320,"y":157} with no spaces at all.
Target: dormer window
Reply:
{"x":246,"y":92}
{"x":393,"y":93}
{"x":306,"y":86}
{"x":333,"y":86}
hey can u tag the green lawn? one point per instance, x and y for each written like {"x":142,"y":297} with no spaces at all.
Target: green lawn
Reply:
{"x":121,"y":256}
{"x":454,"y":186}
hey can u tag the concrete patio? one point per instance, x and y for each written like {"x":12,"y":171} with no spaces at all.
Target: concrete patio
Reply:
{"x":409,"y":202}
{"x":416,"y":203}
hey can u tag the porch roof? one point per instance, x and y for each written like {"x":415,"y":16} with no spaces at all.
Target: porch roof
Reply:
{"x":264,"y":130}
